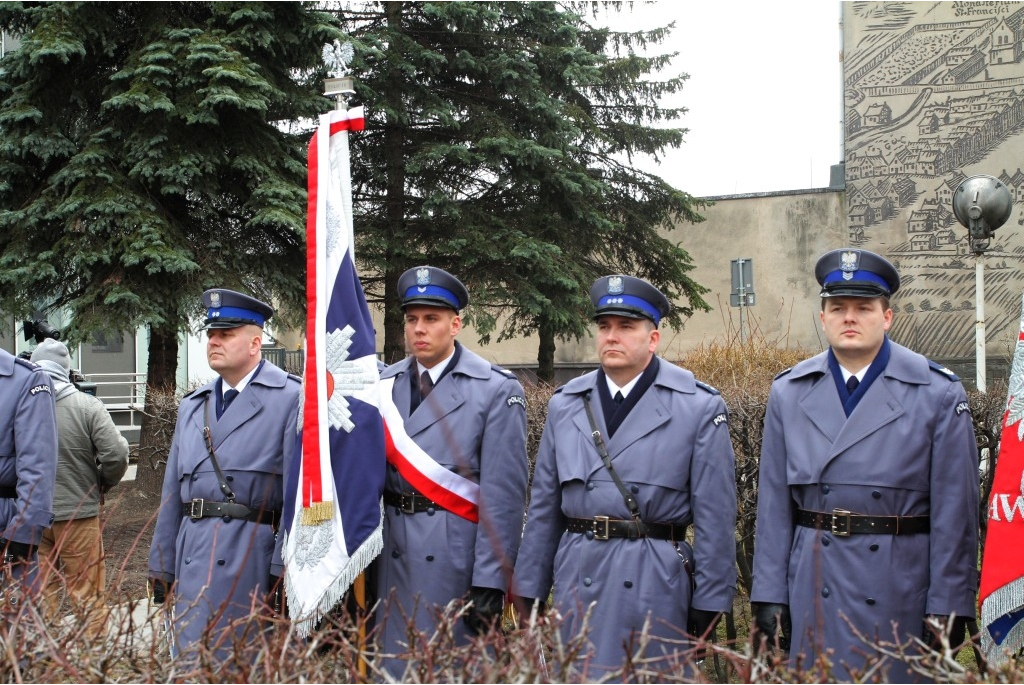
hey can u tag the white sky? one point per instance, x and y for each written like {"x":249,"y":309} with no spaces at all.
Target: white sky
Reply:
{"x":764,"y":93}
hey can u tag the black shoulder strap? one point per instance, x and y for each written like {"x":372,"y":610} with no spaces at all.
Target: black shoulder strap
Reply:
{"x":627,"y":496}
{"x":221,"y":480}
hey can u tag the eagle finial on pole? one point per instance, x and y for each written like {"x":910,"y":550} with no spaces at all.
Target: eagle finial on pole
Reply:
{"x":338,"y":58}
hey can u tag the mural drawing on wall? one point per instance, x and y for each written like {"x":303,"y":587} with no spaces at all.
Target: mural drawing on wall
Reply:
{"x":932,"y":95}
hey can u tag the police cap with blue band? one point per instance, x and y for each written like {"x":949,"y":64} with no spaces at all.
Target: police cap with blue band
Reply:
{"x":628,"y":296}
{"x":851,"y":272}
{"x":229,"y":309}
{"x":428,"y":285}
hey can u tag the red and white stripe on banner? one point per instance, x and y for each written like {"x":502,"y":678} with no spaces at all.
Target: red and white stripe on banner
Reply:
{"x":458,"y":495}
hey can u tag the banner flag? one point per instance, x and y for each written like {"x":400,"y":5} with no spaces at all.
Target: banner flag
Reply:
{"x":332,"y":512}
{"x":1002,"y":568}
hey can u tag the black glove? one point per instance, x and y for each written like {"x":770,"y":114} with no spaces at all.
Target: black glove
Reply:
{"x":17,"y":552}
{"x":957,"y":630}
{"x":159,"y":589}
{"x":702,"y":623}
{"x":275,"y":599}
{"x":487,"y":604}
{"x":773,"y":621}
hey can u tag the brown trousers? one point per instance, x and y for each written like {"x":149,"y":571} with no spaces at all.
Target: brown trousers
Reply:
{"x":71,"y":558}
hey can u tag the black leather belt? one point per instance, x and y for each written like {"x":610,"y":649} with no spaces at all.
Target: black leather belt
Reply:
{"x":410,"y":502}
{"x":604,"y":528}
{"x":8,"y":492}
{"x":205,"y":509}
{"x":842,"y":523}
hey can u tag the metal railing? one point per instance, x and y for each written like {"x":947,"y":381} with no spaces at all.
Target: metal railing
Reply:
{"x":124,"y":396}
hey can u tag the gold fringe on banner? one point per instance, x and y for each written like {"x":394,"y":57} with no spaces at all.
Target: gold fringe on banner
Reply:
{"x":317,"y":513}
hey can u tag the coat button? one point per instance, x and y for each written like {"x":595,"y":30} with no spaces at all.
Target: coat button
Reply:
{"x":188,"y":560}
{"x":195,"y":477}
{"x":587,"y":582}
{"x":826,"y":489}
{"x":825,"y":592}
{"x":229,"y":478}
{"x":220,"y":562}
{"x":395,"y":554}
{"x":430,"y":557}
{"x":869,"y":601}
{"x":628,"y":584}
{"x":589,"y":534}
{"x":634,"y":489}
{"x":590,"y":485}
{"x":431,"y":511}
{"x":825,"y":542}
{"x":873,"y":548}
{"x":227,"y":519}
{"x":876,"y":494}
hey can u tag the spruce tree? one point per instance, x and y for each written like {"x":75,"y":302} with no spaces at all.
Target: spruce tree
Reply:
{"x":148,"y":151}
{"x":499,"y":146}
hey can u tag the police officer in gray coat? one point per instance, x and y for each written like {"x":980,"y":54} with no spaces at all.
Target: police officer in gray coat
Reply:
{"x":867,"y":516}
{"x":608,"y":516}
{"x":216,"y":547}
{"x":455,"y":493}
{"x":28,"y":466}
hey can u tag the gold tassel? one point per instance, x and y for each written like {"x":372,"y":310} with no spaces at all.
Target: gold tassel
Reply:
{"x":317,"y":513}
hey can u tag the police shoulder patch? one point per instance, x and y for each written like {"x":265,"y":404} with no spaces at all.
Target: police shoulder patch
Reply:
{"x":705,"y":386}
{"x":935,"y":366}
{"x":720,"y":419}
{"x":42,"y":387}
{"x":516,"y":399}
{"x":962,"y":407}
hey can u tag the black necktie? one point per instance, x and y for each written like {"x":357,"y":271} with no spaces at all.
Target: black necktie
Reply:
{"x":229,"y":396}
{"x":426,"y":384}
{"x":851,"y":384}
{"x":618,"y":398}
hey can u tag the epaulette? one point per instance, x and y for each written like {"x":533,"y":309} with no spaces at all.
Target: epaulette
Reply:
{"x":558,"y":389}
{"x":713,"y":391}
{"x":190,"y":392}
{"x":295,"y":378}
{"x":782,"y":373}
{"x":935,"y":366}
{"x":504,"y":372}
{"x":27,"y":364}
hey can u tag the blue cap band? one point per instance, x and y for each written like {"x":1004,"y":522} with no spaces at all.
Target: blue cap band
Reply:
{"x":432,"y":291}
{"x":861,"y":276}
{"x":236,"y":313}
{"x":630,"y":301}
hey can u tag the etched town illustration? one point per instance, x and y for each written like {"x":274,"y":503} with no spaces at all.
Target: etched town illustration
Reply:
{"x":932,"y":95}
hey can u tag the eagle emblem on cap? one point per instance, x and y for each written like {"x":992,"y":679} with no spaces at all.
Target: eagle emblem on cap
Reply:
{"x":215,"y":300}
{"x":848,"y":262}
{"x":423,"y":276}
{"x":614,"y":285}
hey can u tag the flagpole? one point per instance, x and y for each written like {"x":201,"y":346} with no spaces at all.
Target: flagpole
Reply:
{"x":341,"y":89}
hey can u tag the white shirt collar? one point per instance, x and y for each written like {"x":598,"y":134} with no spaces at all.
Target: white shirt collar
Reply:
{"x":438,"y":369}
{"x":625,"y":390}
{"x":242,"y":383}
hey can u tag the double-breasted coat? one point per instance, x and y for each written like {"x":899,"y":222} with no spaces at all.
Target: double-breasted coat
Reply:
{"x":907,"y":449}
{"x":474,"y":423}
{"x":219,"y":563}
{"x":674,"y":453}
{"x":28,"y":450}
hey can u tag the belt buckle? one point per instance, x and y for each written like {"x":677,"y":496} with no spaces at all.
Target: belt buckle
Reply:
{"x":408,"y":505}
{"x":192,"y":512}
{"x":598,"y":535}
{"x":839,"y":515}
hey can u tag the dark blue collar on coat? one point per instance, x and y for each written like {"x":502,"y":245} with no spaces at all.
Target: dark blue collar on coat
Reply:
{"x":850,"y":401}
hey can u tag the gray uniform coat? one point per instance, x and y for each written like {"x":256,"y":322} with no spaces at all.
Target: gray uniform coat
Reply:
{"x":473,"y":422}
{"x":673,"y":451}
{"x":28,"y":449}
{"x":219,"y":564}
{"x":907,"y":449}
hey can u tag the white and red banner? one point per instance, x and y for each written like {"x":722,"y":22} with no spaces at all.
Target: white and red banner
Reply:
{"x":332,"y":512}
{"x":1002,"y":568}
